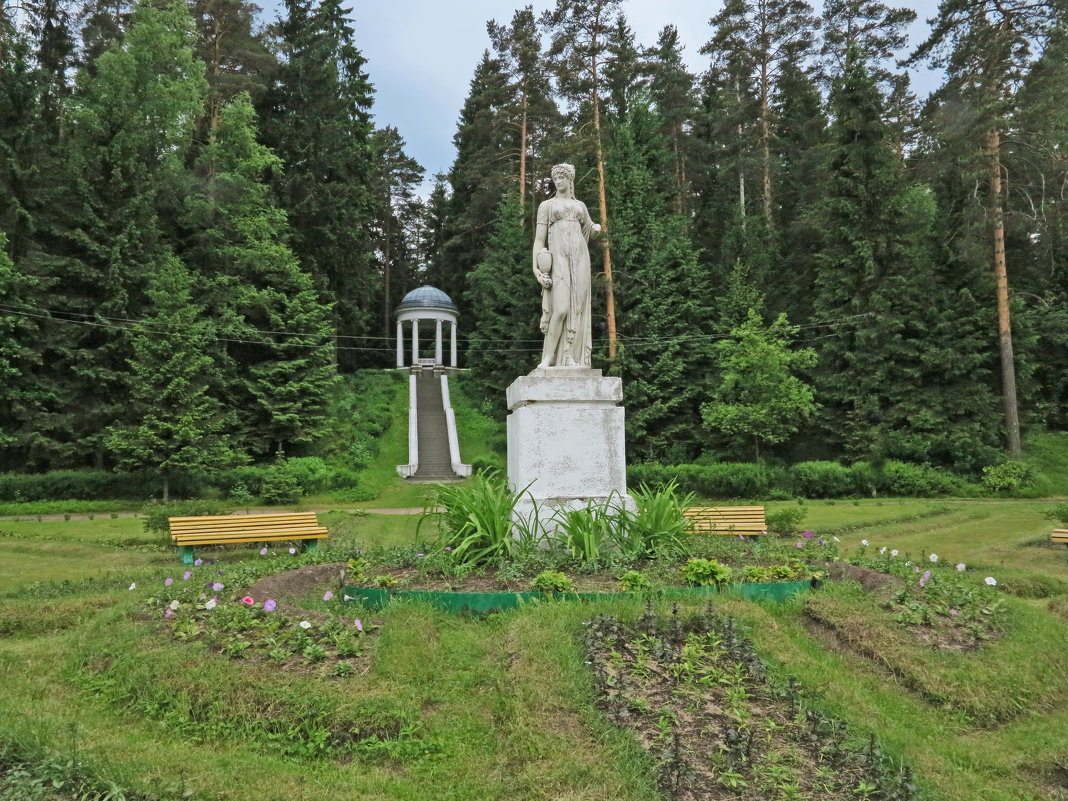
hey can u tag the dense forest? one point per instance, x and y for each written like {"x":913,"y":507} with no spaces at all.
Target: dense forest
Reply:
{"x":201,"y":227}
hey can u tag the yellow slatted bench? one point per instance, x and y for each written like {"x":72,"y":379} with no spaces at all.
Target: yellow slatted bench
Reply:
{"x":1059,"y":535}
{"x":746,"y":520}
{"x":190,"y":532}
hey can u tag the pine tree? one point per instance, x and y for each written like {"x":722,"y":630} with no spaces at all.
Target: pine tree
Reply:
{"x":177,"y":426}
{"x":985,"y":47}
{"x":17,"y":353}
{"x":672,"y":90}
{"x":581,"y":36}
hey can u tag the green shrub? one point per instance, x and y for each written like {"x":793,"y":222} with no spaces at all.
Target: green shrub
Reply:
{"x":1007,"y":476}
{"x":84,"y":485}
{"x":155,"y":515}
{"x":551,"y":581}
{"x":823,"y":480}
{"x":1059,"y":514}
{"x":786,"y":520}
{"x":310,"y":473}
{"x":280,"y":486}
{"x":915,"y":480}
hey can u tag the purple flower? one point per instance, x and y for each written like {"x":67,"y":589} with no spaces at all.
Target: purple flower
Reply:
{"x":198,"y":562}
{"x":358,"y":624}
{"x":269,"y":605}
{"x":168,"y":613}
{"x":292,"y":550}
{"x":219,"y":572}
{"x":186,"y":576}
{"x":168,"y":582}
{"x":741,"y":537}
{"x":263,"y":552}
{"x":448,"y":547}
{"x":217,"y":586}
{"x":808,"y":535}
{"x":820,"y":543}
{"x":328,"y":595}
{"x":419,"y":554}
{"x":954,"y":612}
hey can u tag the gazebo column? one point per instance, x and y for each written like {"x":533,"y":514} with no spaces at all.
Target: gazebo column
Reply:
{"x":453,"y":348}
{"x":437,"y":342}
{"x":415,"y":342}
{"x":400,"y":344}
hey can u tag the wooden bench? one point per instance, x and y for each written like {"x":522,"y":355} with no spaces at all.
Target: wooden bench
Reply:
{"x":745,"y":520}
{"x":190,"y":532}
{"x":1059,"y":535}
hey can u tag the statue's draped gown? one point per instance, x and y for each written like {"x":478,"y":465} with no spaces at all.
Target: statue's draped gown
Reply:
{"x":569,"y":227}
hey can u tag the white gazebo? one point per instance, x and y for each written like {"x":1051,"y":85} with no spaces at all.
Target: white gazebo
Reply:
{"x":432,"y":306}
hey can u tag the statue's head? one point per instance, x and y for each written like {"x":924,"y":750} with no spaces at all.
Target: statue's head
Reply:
{"x":564,"y":171}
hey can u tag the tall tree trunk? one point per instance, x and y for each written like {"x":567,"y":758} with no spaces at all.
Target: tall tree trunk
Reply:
{"x":741,"y":171}
{"x":1008,"y":368}
{"x":765,"y":140}
{"x":387,"y":265}
{"x":523,"y":160}
{"x":610,"y":295}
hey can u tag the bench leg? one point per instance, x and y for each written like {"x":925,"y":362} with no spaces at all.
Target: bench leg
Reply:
{"x":311,"y":546}
{"x":186,"y":553}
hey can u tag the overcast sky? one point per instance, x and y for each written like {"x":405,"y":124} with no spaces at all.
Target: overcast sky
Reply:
{"x":421,"y":55}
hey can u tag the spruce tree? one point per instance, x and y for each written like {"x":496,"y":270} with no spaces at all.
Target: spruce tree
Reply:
{"x":176,"y":427}
{"x":325,"y":184}
{"x":901,"y":374}
{"x":275,"y":353}
{"x":505,"y":308}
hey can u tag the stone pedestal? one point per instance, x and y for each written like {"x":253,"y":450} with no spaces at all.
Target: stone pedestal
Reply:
{"x":566,"y":440}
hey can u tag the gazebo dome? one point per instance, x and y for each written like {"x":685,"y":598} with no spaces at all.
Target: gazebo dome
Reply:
{"x":427,"y":297}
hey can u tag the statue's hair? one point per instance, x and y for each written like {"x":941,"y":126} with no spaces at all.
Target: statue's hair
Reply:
{"x":564,"y":169}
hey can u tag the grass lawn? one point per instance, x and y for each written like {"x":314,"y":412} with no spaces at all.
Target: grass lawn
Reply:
{"x":504,"y":707}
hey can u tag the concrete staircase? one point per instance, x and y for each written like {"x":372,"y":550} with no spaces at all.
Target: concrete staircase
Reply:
{"x":434,"y":461}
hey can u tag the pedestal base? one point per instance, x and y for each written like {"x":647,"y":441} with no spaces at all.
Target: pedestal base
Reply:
{"x":566,"y":440}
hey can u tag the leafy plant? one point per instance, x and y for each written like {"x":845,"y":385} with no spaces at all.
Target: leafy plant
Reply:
{"x":386,"y":581}
{"x":635,"y":581}
{"x":706,"y":572}
{"x":551,"y":581}
{"x":786,"y":520}
{"x":587,"y":529}
{"x":1059,"y":513}
{"x":1007,"y":476}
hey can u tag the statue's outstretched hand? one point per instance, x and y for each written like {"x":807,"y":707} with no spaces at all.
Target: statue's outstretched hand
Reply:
{"x":545,"y":280}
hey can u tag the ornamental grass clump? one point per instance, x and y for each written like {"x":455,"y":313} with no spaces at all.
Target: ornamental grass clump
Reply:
{"x":658,"y":527}
{"x":475,"y":524}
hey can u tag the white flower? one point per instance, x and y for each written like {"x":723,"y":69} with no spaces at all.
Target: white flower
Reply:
{"x":133,"y":586}
{"x":883,"y":549}
{"x":837,"y":540}
{"x":893,"y":552}
{"x":292,"y":550}
{"x":961,"y":567}
{"x":908,"y":563}
{"x":863,"y":542}
{"x":210,"y":604}
{"x":304,"y":624}
{"x":174,"y":606}
{"x":991,"y":581}
{"x":933,"y":557}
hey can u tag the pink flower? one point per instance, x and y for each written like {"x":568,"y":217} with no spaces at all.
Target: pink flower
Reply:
{"x":808,"y":535}
{"x":800,"y":544}
{"x":168,"y":613}
{"x":248,"y":600}
{"x":168,"y":582}
{"x":186,"y":576}
{"x":217,"y":586}
{"x":328,"y":595}
{"x":741,"y":537}
{"x":954,"y":612}
{"x":358,"y":624}
{"x":269,"y":605}
{"x":263,"y":552}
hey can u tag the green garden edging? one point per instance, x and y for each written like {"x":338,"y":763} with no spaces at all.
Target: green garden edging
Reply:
{"x":501,"y":601}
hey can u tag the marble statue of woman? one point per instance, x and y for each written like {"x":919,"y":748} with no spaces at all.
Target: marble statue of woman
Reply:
{"x":562,"y":267}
